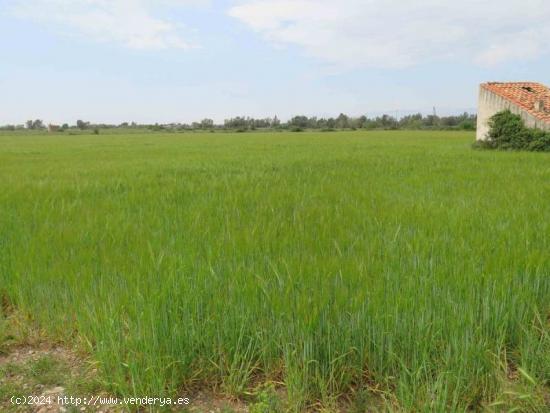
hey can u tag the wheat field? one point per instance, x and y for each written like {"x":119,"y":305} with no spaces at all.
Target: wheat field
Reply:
{"x":401,"y":265}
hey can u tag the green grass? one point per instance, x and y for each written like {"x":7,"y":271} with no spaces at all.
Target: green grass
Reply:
{"x":395,"y":263}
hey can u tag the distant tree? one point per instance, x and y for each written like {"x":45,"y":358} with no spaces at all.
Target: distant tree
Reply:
{"x":467,"y":125}
{"x":361,"y":121}
{"x":342,"y":121}
{"x":388,"y":122}
{"x":238,"y":123}
{"x":80,"y":124}
{"x":431,"y":121}
{"x":207,"y":124}
{"x":262,"y":123}
{"x":411,"y":121}
{"x":35,"y":124}
{"x":300,"y":122}
{"x":322,"y":123}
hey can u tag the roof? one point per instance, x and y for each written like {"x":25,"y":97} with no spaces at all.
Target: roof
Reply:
{"x":525,"y":95}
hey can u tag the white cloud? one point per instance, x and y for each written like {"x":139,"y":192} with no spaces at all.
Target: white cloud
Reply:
{"x":130,"y":23}
{"x":400,"y":33}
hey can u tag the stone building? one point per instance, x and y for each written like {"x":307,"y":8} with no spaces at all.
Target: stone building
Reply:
{"x":529,"y":100}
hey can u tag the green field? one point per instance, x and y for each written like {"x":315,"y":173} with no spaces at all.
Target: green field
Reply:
{"x":396,"y":270}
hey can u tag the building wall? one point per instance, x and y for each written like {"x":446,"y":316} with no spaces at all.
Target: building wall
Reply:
{"x":490,"y":103}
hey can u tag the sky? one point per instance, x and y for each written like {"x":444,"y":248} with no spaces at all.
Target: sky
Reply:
{"x":166,"y":61}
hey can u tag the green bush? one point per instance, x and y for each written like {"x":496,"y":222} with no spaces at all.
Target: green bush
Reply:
{"x":508,"y":132}
{"x":540,"y":141}
{"x":467,"y":125}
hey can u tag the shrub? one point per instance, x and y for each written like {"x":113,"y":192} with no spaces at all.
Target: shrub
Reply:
{"x":540,"y":142}
{"x":467,"y":125}
{"x":507,"y":131}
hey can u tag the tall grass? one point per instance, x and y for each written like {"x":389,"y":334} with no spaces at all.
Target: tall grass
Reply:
{"x":331,"y":262}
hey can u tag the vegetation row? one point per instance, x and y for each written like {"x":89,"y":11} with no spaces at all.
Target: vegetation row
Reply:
{"x":296,"y":124}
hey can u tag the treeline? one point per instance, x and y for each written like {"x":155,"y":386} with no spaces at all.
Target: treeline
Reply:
{"x":417,"y":121}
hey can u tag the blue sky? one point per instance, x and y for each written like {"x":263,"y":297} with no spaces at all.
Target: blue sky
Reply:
{"x":184,"y":60}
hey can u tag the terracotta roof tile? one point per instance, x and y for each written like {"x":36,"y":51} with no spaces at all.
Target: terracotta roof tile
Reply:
{"x":524,"y":95}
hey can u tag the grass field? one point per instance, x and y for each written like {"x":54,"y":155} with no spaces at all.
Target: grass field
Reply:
{"x":399,"y":270}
